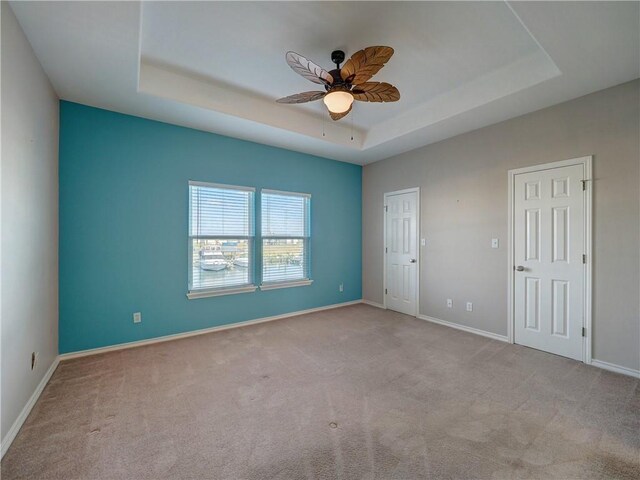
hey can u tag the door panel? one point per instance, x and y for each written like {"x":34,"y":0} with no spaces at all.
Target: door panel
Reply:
{"x":401,"y":252}
{"x":560,"y":235}
{"x":532,"y":303}
{"x":532,"y":234}
{"x":560,"y":312}
{"x":549,"y":245}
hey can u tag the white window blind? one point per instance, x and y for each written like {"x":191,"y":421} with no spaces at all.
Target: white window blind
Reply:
{"x":285,"y":236}
{"x":221,"y":233}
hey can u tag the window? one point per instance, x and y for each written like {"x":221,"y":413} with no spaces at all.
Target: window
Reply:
{"x":221,"y":237}
{"x":285,"y":239}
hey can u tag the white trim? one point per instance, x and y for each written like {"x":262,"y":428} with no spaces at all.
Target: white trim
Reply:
{"x":404,"y":190}
{"x":223,"y":291}
{"x":415,"y":190}
{"x":586,"y":162}
{"x":276,"y":285}
{"x":282,"y":192}
{"x":588,"y":269}
{"x":510,"y":263}
{"x":196,"y":183}
{"x":418,"y":250}
{"x":464,"y":328}
{"x":17,"y":425}
{"x":176,"y":336}
{"x":552,"y":165}
{"x":374,"y":304}
{"x":612,"y":367}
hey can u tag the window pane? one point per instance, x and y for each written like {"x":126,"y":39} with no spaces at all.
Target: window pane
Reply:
{"x":285,"y":215}
{"x":220,"y":263}
{"x":283,"y":260}
{"x":220,"y":211}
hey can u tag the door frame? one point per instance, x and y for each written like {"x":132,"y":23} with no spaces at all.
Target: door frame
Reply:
{"x":415,"y":190}
{"x":586,"y":163}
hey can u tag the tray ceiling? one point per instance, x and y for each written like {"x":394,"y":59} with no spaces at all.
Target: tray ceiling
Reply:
{"x":219,"y":66}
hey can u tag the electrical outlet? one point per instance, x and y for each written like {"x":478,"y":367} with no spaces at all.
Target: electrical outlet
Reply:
{"x":495,"y":243}
{"x":34,"y":360}
{"x":137,"y":317}
{"x":341,"y":287}
{"x":449,"y":303}
{"x":469,"y":307}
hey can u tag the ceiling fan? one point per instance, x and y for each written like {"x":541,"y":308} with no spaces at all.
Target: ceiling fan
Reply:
{"x":346,"y":84}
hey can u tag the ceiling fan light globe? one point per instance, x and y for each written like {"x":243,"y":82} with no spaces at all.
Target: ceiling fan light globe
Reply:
{"x":338,"y":101}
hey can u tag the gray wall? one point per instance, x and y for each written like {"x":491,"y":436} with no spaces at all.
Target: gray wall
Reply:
{"x":463,"y":184}
{"x":29,"y":206}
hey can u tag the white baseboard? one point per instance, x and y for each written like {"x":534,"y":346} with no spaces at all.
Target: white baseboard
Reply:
{"x":464,"y":328}
{"x":15,"y":428}
{"x":612,"y":367}
{"x":17,"y":425}
{"x":373,"y":304}
{"x":167,"y":338}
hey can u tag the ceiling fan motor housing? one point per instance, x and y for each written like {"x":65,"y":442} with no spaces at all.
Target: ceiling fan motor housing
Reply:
{"x":338,"y":83}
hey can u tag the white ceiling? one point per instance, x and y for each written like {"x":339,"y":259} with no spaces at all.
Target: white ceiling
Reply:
{"x":219,"y":66}
{"x":437,"y":48}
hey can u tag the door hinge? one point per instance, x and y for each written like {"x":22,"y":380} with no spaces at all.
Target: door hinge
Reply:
{"x":584,"y":258}
{"x":385,"y":291}
{"x":584,"y":184}
{"x":385,"y":250}
{"x":386,"y":208}
{"x":584,"y":332}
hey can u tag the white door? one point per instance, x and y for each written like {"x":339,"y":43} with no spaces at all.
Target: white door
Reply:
{"x":401,"y":252}
{"x":549,"y":235}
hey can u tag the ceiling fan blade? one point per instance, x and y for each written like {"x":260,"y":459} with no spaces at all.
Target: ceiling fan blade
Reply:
{"x":365,"y":63}
{"x":338,"y":116}
{"x":308,"y":69}
{"x":302,"y":97}
{"x":375,"y":92}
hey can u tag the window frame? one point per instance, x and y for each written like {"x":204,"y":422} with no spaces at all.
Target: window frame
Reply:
{"x":306,"y":252}
{"x":234,"y":289}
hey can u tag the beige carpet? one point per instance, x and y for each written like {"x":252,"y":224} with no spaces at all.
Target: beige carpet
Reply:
{"x":350,"y":393}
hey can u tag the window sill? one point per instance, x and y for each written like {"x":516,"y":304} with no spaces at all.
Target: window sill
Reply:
{"x":216,"y":293}
{"x":274,"y":286}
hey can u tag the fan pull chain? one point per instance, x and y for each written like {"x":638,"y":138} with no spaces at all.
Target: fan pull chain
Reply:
{"x":323,"y":120}
{"x":353,"y":113}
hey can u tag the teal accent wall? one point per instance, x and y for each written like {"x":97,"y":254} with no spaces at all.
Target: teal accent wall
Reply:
{"x":124,"y":217}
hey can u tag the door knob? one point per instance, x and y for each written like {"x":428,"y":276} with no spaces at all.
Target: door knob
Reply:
{"x":413,"y":260}
{"x":519,"y":268}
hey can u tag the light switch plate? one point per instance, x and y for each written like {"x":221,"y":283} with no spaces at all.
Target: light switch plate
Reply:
{"x":423,"y":242}
{"x":137,"y":317}
{"x":495,"y":243}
